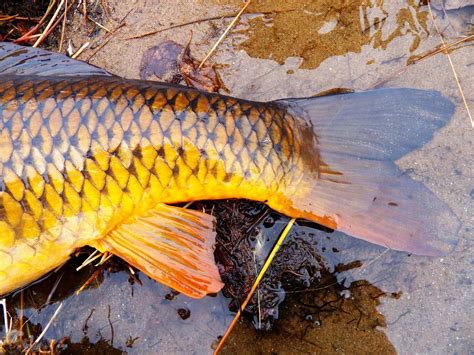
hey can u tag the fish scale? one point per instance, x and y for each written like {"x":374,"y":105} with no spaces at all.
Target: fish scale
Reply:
{"x":79,"y":155}
{"x":87,"y":158}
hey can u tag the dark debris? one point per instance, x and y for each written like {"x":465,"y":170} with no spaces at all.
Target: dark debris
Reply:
{"x":241,"y":226}
{"x":171,"y":62}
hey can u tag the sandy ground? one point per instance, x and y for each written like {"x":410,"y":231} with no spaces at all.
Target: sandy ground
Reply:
{"x":267,"y":57}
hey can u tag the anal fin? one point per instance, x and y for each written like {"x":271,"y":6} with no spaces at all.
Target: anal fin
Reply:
{"x":172,"y":245}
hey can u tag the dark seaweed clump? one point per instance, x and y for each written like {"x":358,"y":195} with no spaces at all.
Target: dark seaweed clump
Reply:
{"x":246,"y":232}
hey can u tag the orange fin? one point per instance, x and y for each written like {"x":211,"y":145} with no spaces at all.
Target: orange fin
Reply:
{"x":172,"y":245}
{"x":357,"y":188}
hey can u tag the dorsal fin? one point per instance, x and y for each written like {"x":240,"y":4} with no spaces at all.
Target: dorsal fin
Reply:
{"x":20,"y":60}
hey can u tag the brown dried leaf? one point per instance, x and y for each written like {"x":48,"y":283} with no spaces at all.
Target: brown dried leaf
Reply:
{"x":204,"y":78}
{"x":161,"y":62}
{"x":172,"y":63}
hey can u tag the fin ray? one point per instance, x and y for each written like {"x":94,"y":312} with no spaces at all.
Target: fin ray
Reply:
{"x":358,"y":185}
{"x":20,"y":60}
{"x":170,"y":244}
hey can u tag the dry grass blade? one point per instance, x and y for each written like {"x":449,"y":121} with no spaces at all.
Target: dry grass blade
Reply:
{"x":22,"y":309}
{"x":105,"y":256}
{"x":89,"y":259}
{"x":3,"y":303}
{"x":8,"y":18}
{"x":8,"y":34}
{"x":221,"y":38}
{"x":53,"y":290}
{"x":364,"y":268}
{"x":109,"y":36}
{"x":193,"y":22}
{"x":27,"y":36}
{"x":55,"y":314}
{"x":98,"y":24}
{"x":63,"y":28}
{"x":80,"y":50}
{"x":452,"y":67}
{"x":55,"y":24}
{"x":48,"y":26}
{"x":258,"y":295}
{"x":259,"y":278}
{"x":443,"y":48}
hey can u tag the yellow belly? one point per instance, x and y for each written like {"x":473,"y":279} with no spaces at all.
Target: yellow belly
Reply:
{"x":80,"y":156}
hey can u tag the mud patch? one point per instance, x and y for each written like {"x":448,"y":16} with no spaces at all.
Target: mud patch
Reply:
{"x":329,"y":320}
{"x":317,"y":30}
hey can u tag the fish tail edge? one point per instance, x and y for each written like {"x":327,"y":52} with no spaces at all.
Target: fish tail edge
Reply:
{"x":358,"y":189}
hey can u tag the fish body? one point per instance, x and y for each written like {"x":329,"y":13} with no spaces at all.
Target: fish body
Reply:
{"x":96,"y":160}
{"x":81,"y":155}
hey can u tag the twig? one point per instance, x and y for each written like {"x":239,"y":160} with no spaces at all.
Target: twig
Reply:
{"x":221,"y":38}
{"x":104,"y":9}
{"x":85,"y":327}
{"x":256,"y":283}
{"x":309,"y":289}
{"x":50,"y":23}
{"x":179,"y":25}
{"x":452,"y":67}
{"x":84,"y":9}
{"x":90,"y":279}
{"x":55,"y":314}
{"x":111,"y":327}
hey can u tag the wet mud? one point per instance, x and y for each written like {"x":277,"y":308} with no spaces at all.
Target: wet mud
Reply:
{"x":317,"y":30}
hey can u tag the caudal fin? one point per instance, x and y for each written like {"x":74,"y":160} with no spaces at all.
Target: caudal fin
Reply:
{"x":359,"y":187}
{"x":28,"y":61}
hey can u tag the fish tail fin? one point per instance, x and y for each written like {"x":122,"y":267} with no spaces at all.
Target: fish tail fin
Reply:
{"x":28,"y":61}
{"x":357,"y":188}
